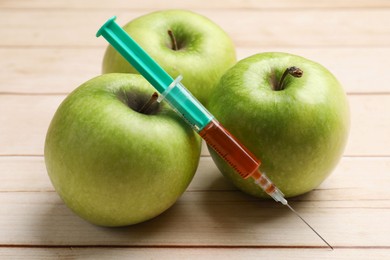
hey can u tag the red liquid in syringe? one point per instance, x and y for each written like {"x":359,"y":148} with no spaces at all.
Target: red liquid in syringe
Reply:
{"x":230,"y":149}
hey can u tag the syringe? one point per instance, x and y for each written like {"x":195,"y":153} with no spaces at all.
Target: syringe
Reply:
{"x":181,"y":100}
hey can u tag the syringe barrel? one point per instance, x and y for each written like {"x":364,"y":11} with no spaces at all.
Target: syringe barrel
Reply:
{"x":215,"y":135}
{"x":186,"y":105}
{"x":230,"y":149}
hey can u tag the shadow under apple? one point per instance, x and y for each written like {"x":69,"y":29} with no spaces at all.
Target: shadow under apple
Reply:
{"x":211,"y":217}
{"x":59,"y":226}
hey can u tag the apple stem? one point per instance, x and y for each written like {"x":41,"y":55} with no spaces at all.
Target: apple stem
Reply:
{"x":293,"y":71}
{"x":173,"y":40}
{"x":148,"y":104}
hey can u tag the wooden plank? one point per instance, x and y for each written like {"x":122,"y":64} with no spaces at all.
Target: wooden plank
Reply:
{"x":21,"y":112}
{"x":369,"y":125}
{"x":60,"y":70}
{"x":199,"y":4}
{"x":193,"y":253}
{"x":360,"y":27}
{"x":210,"y":213}
{"x":197,"y":219}
{"x":24,"y":173}
{"x":47,"y":70}
{"x":356,"y":180}
{"x":24,"y":121}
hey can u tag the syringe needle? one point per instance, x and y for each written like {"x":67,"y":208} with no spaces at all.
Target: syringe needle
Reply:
{"x":296,"y":213}
{"x":265,"y":183}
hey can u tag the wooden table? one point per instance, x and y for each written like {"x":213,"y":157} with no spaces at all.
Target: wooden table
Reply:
{"x":48,"y":48}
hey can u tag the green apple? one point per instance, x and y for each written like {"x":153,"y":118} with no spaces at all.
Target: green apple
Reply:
{"x":183,"y":43}
{"x":296,"y":124}
{"x":112,"y":160}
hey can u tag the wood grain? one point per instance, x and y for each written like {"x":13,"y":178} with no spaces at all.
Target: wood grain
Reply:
{"x":60,"y":70}
{"x":224,"y":253}
{"x":257,"y":28}
{"x":206,"y":215}
{"x":216,"y":4}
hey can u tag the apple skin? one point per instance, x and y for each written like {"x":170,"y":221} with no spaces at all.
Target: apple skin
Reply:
{"x":205,"y":52}
{"x":114,"y":166}
{"x":299,"y":133}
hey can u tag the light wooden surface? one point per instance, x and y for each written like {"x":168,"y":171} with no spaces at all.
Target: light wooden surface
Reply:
{"x":48,"y":48}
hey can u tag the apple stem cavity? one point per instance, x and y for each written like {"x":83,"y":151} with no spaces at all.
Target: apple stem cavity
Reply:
{"x":173,"y":40}
{"x":293,"y":71}
{"x":144,"y":109}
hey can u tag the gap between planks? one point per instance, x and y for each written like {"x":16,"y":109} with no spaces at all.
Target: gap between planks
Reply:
{"x":191,"y":246}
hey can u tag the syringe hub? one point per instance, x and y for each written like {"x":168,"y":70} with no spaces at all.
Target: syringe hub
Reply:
{"x":266,"y":184}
